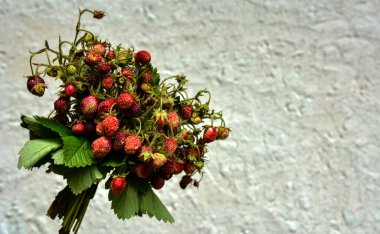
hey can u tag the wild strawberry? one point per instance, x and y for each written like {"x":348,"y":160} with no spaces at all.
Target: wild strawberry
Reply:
{"x":118,"y":185}
{"x":186,"y":180}
{"x":134,"y":109}
{"x":103,"y":67}
{"x":93,"y":57}
{"x":170,"y":145}
{"x":89,"y":106}
{"x":36,"y":85}
{"x":209,"y":134}
{"x":178,"y":168}
{"x":78,"y":129}
{"x":146,"y":153}
{"x":193,"y":154}
{"x":99,"y":129}
{"x":165,"y":176}
{"x":124,"y":101}
{"x":159,"y":160}
{"x":71,"y":70}
{"x":118,"y":143}
{"x":89,"y":127}
{"x":110,"y":125}
{"x":105,"y":106}
{"x":161,"y":116}
{"x":173,"y":119}
{"x":70,"y":90}
{"x":186,"y":112}
{"x":146,"y":87}
{"x":142,"y":57}
{"x":147,"y":77}
{"x":100,"y":48}
{"x":98,"y":14}
{"x":111,"y":55}
{"x":132,"y":144}
{"x":107,"y":83}
{"x":169,"y":167}
{"x":62,"y":105}
{"x":101,"y":147}
{"x":143,"y":170}
{"x":188,"y":168}
{"x":127,"y":73}
{"x":157,"y":182}
{"x":61,"y":118}
{"x":223,"y":133}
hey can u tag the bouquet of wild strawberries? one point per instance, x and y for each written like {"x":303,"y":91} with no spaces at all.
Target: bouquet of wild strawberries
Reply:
{"x":115,"y":120}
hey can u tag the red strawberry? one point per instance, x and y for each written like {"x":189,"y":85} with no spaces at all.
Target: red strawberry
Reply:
{"x":99,"y":129}
{"x":90,"y":128}
{"x":178,"y":168}
{"x":103,"y":67}
{"x":124,"y":101}
{"x":101,"y":147}
{"x":100,"y":48}
{"x":111,"y":55}
{"x":62,"y":105}
{"x":165,"y":176}
{"x":159,"y":160}
{"x":118,"y":144}
{"x":142,"y":57}
{"x":157,"y":182}
{"x":160,"y":122}
{"x":147,"y":77}
{"x":61,"y":118}
{"x":146,"y":153}
{"x":160,"y":116}
{"x":118,"y":185}
{"x":169,"y":167}
{"x":36,"y":85}
{"x":189,"y":168}
{"x":70,"y":90}
{"x":107,"y":83}
{"x":223,"y":133}
{"x":89,"y":106}
{"x":170,"y":145}
{"x":134,"y":109}
{"x":78,"y":129}
{"x":143,"y":170}
{"x":187,"y":111}
{"x":93,"y":57}
{"x":173,"y":119}
{"x":110,"y":125}
{"x":105,"y":106}
{"x":132,"y":144}
{"x":193,"y":154}
{"x":127,"y":73}
{"x":98,"y":14}
{"x":209,"y":134}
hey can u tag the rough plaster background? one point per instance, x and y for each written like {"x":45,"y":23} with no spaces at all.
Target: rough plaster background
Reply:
{"x":297,"y":80}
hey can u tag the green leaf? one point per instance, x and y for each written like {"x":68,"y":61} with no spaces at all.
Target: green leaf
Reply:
{"x":35,"y":150}
{"x":126,"y":204}
{"x":54,"y":126}
{"x":79,"y":179}
{"x":58,"y":157}
{"x":37,"y":130}
{"x":150,"y":204}
{"x":77,"y":151}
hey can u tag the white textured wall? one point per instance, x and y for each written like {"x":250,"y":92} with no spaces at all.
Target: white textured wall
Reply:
{"x":299,"y":85}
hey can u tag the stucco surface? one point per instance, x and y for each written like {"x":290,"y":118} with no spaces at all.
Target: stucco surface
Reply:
{"x":298,"y":82}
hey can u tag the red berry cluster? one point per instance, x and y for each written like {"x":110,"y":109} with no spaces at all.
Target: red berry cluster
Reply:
{"x":114,"y":97}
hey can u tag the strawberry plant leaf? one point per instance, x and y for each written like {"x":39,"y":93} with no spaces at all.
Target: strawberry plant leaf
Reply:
{"x":126,"y":204}
{"x":58,"y":156}
{"x":36,"y":129}
{"x":54,"y":126}
{"x":77,"y":151}
{"x":35,"y":150}
{"x":80,"y":179}
{"x":151,"y":205}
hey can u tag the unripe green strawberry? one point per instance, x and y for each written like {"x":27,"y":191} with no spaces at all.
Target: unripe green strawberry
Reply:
{"x":173,"y":119}
{"x":62,"y":105}
{"x":36,"y":85}
{"x":107,"y":83}
{"x":158,"y":160}
{"x":125,"y":101}
{"x":71,"y":70}
{"x":223,"y":133}
{"x":157,"y":182}
{"x":89,"y":106}
{"x":209,"y":134}
{"x":101,"y":147}
{"x":110,"y":125}
{"x":118,"y":185}
{"x":142,"y":57}
{"x":170,"y":145}
{"x":146,"y":153}
{"x":105,"y":106}
{"x":78,"y":129}
{"x":100,"y":48}
{"x":132,"y":144}
{"x":146,"y":87}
